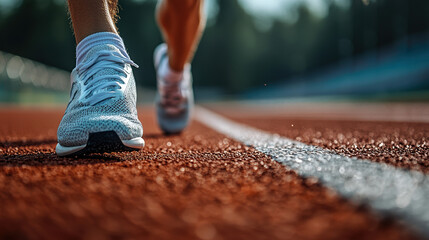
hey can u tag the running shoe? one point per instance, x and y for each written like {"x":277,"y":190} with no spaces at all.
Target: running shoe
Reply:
{"x":175,"y":99}
{"x":101,"y":115}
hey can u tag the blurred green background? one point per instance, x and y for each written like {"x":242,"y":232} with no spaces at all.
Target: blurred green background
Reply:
{"x":251,"y":49}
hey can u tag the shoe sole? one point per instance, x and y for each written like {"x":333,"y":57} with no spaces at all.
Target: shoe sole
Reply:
{"x":102,"y":142}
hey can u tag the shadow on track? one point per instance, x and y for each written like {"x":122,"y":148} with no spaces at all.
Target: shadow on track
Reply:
{"x":22,"y":156}
{"x":25,"y":143}
{"x":18,"y":153}
{"x":159,"y":135}
{"x":51,"y":159}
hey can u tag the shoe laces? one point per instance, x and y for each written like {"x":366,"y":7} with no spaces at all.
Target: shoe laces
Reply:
{"x":171,"y":94}
{"x":98,"y":88}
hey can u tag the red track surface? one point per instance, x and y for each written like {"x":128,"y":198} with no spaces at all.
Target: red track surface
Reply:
{"x":198,"y":185}
{"x":402,"y":143}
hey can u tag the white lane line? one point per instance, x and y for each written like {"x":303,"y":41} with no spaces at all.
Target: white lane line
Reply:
{"x":385,"y":188}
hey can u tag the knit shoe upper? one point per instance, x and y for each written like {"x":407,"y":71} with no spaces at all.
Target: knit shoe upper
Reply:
{"x":102,"y":98}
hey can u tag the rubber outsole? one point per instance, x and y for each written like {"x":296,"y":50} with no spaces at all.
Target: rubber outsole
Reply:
{"x":101,"y":142}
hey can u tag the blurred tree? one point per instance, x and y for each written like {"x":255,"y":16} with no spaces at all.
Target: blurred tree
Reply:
{"x":39,"y":30}
{"x":234,"y":54}
{"x":227,"y":49}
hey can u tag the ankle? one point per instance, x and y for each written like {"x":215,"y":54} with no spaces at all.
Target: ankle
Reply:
{"x":168,"y":74}
{"x":97,"y":39}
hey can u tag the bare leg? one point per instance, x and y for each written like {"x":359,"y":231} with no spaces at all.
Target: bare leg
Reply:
{"x":182,"y":23}
{"x":92,"y":16}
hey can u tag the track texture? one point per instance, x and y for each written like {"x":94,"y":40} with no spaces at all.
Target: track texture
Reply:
{"x":403,"y":145}
{"x":402,"y":142}
{"x":198,"y":185}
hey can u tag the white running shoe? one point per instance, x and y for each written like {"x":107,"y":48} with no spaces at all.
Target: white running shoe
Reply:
{"x":101,"y":115}
{"x":174,"y":100}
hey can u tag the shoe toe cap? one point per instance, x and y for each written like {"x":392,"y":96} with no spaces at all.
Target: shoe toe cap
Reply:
{"x":173,"y":124}
{"x":76,"y":134}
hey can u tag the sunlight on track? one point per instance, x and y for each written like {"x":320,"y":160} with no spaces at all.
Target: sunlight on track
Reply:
{"x":385,"y":188}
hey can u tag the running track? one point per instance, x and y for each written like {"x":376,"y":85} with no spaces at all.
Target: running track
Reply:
{"x":250,"y":171}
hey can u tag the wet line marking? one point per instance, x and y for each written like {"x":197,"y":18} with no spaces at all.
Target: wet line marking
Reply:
{"x":393,"y":191}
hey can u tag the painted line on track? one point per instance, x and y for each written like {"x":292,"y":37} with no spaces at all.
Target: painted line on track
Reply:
{"x":390,"y":190}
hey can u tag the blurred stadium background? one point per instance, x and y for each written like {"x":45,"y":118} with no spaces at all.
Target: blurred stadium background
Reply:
{"x":251,"y":49}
